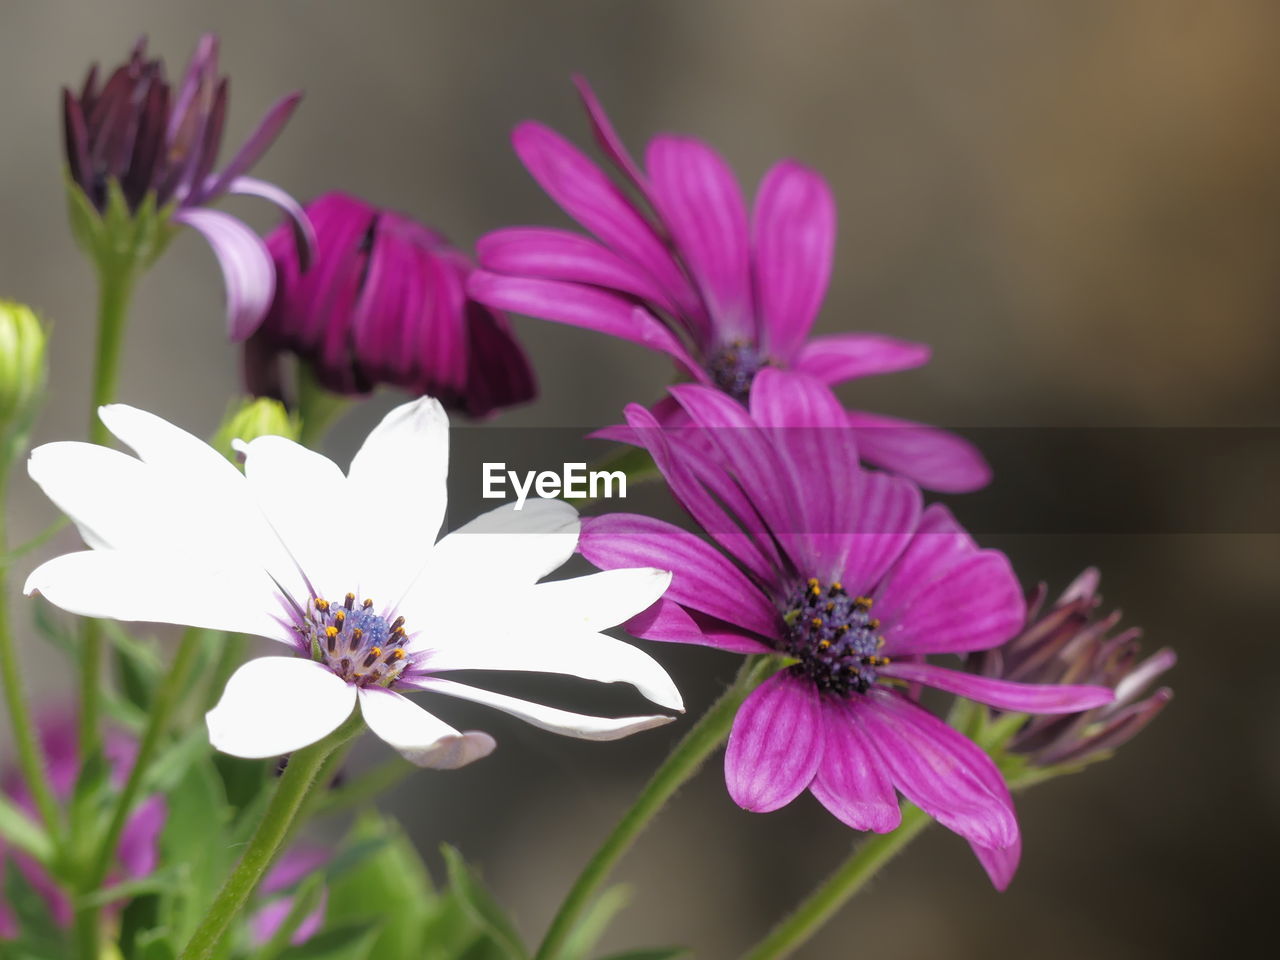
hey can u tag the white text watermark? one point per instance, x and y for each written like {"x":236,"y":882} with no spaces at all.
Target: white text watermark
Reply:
{"x":573,"y":482}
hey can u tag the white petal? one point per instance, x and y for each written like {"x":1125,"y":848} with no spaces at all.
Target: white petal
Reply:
{"x":548,"y":718}
{"x":397,"y":489}
{"x":210,"y":503}
{"x":418,"y":736}
{"x":499,"y":552}
{"x":159,"y":588}
{"x":305,"y":499}
{"x":275,"y":705}
{"x":109,"y":495}
{"x":599,"y":600}
{"x":531,"y":647}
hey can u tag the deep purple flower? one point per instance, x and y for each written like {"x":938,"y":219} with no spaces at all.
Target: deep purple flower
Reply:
{"x":1071,"y":643}
{"x":136,"y":132}
{"x":683,"y":270}
{"x":385,"y":303}
{"x":137,"y":854}
{"x":840,"y":570}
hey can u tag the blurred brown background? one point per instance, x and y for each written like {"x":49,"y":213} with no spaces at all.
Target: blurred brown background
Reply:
{"x":1077,"y":204}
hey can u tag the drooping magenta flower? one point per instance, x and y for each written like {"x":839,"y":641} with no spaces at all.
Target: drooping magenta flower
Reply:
{"x":384,"y":303}
{"x":343,"y":570}
{"x":136,"y":132}
{"x":677,"y":265}
{"x":1071,"y":643}
{"x":137,"y":853}
{"x":841,"y":571}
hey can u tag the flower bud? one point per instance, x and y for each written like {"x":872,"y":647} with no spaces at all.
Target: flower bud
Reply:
{"x":22,"y":367}
{"x":250,"y":419}
{"x":1071,"y":643}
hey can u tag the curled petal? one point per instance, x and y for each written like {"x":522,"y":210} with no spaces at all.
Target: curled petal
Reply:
{"x":246,"y":267}
{"x":1004,"y":694}
{"x":304,"y":233}
{"x":259,"y":141}
{"x":418,"y":736}
{"x":848,"y":356}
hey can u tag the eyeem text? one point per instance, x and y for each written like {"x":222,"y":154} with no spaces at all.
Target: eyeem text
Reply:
{"x":574,"y":481}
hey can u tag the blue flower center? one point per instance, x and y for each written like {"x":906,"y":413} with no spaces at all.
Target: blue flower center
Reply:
{"x":833,"y":635}
{"x":355,"y":642}
{"x":734,"y":366}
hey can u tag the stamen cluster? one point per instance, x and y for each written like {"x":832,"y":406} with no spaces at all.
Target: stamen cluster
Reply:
{"x":734,"y":366}
{"x":356,"y":643}
{"x":833,"y":635}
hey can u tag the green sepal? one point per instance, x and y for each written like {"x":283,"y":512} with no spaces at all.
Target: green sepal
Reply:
{"x":119,"y":240}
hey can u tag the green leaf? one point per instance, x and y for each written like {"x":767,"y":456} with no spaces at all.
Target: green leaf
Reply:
{"x":195,"y":840}
{"x":380,"y":875}
{"x":39,"y":937}
{"x":480,"y":904}
{"x":87,"y":810}
{"x":352,"y":942}
{"x":650,"y":953}
{"x":23,"y":832}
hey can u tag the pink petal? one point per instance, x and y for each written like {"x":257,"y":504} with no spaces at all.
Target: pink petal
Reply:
{"x":549,"y":254}
{"x":939,"y":770}
{"x":587,"y":195}
{"x":1004,"y":694}
{"x":606,"y":137}
{"x":702,"y":577}
{"x":304,"y":234}
{"x":884,"y":523}
{"x":775,"y":745}
{"x":246,"y":267}
{"x":668,"y":622}
{"x":936,"y":459}
{"x":975,"y":605}
{"x":699,"y":201}
{"x":579,"y":306}
{"x":848,"y":356}
{"x":794,"y":226}
{"x":852,"y":781}
{"x":260,"y":140}
{"x":139,"y":850}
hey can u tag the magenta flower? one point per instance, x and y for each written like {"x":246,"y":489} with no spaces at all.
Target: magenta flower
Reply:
{"x":683,"y":270}
{"x":137,"y":854}
{"x":1070,"y":643}
{"x":385,"y":302}
{"x":842,"y":572}
{"x":294,"y":866}
{"x":135,"y":132}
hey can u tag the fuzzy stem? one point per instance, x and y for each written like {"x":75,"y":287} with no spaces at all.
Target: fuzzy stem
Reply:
{"x":30,"y":756}
{"x":683,"y":762}
{"x":290,"y":795}
{"x":115,"y":287}
{"x":872,"y":854}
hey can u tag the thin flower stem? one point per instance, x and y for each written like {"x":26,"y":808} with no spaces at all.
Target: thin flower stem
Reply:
{"x":115,"y":287}
{"x":684,"y":761}
{"x":169,"y":692}
{"x":30,"y":757}
{"x":872,"y":854}
{"x":290,"y":795}
{"x":38,"y":540}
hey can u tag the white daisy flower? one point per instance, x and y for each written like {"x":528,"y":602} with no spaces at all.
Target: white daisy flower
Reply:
{"x":346,"y":572}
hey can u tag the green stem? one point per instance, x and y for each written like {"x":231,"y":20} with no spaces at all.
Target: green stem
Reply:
{"x":38,"y":540}
{"x":30,"y":756}
{"x":290,"y":794}
{"x":684,"y":761}
{"x":317,"y":407}
{"x":115,"y":287}
{"x":168,"y":693}
{"x":852,"y":876}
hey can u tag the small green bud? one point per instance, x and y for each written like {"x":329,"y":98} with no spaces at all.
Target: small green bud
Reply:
{"x":22,"y":368}
{"x":249,"y":419}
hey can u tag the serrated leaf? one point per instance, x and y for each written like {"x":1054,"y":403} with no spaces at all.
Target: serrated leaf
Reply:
{"x":483,"y":908}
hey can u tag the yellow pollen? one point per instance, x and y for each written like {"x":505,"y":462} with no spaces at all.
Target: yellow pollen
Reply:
{"x":874,"y":623}
{"x":824,"y":644}
{"x":816,"y":621}
{"x":368,"y":603}
{"x":837,"y":585}
{"x":376,"y":651}
{"x":322,"y":605}
{"x":340,"y":615}
{"x":398,"y":654}
{"x":863,"y":602}
{"x":330,"y":632}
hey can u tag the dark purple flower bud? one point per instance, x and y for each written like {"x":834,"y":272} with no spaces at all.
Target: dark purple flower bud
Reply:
{"x":1071,"y":643}
{"x":384,"y":303}
{"x":136,"y":148}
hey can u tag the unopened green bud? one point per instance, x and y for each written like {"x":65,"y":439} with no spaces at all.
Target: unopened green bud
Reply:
{"x":22,"y":367}
{"x":249,"y":419}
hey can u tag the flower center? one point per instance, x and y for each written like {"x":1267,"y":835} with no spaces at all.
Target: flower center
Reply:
{"x":834,"y":637}
{"x":734,"y":366}
{"x":356,"y":643}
